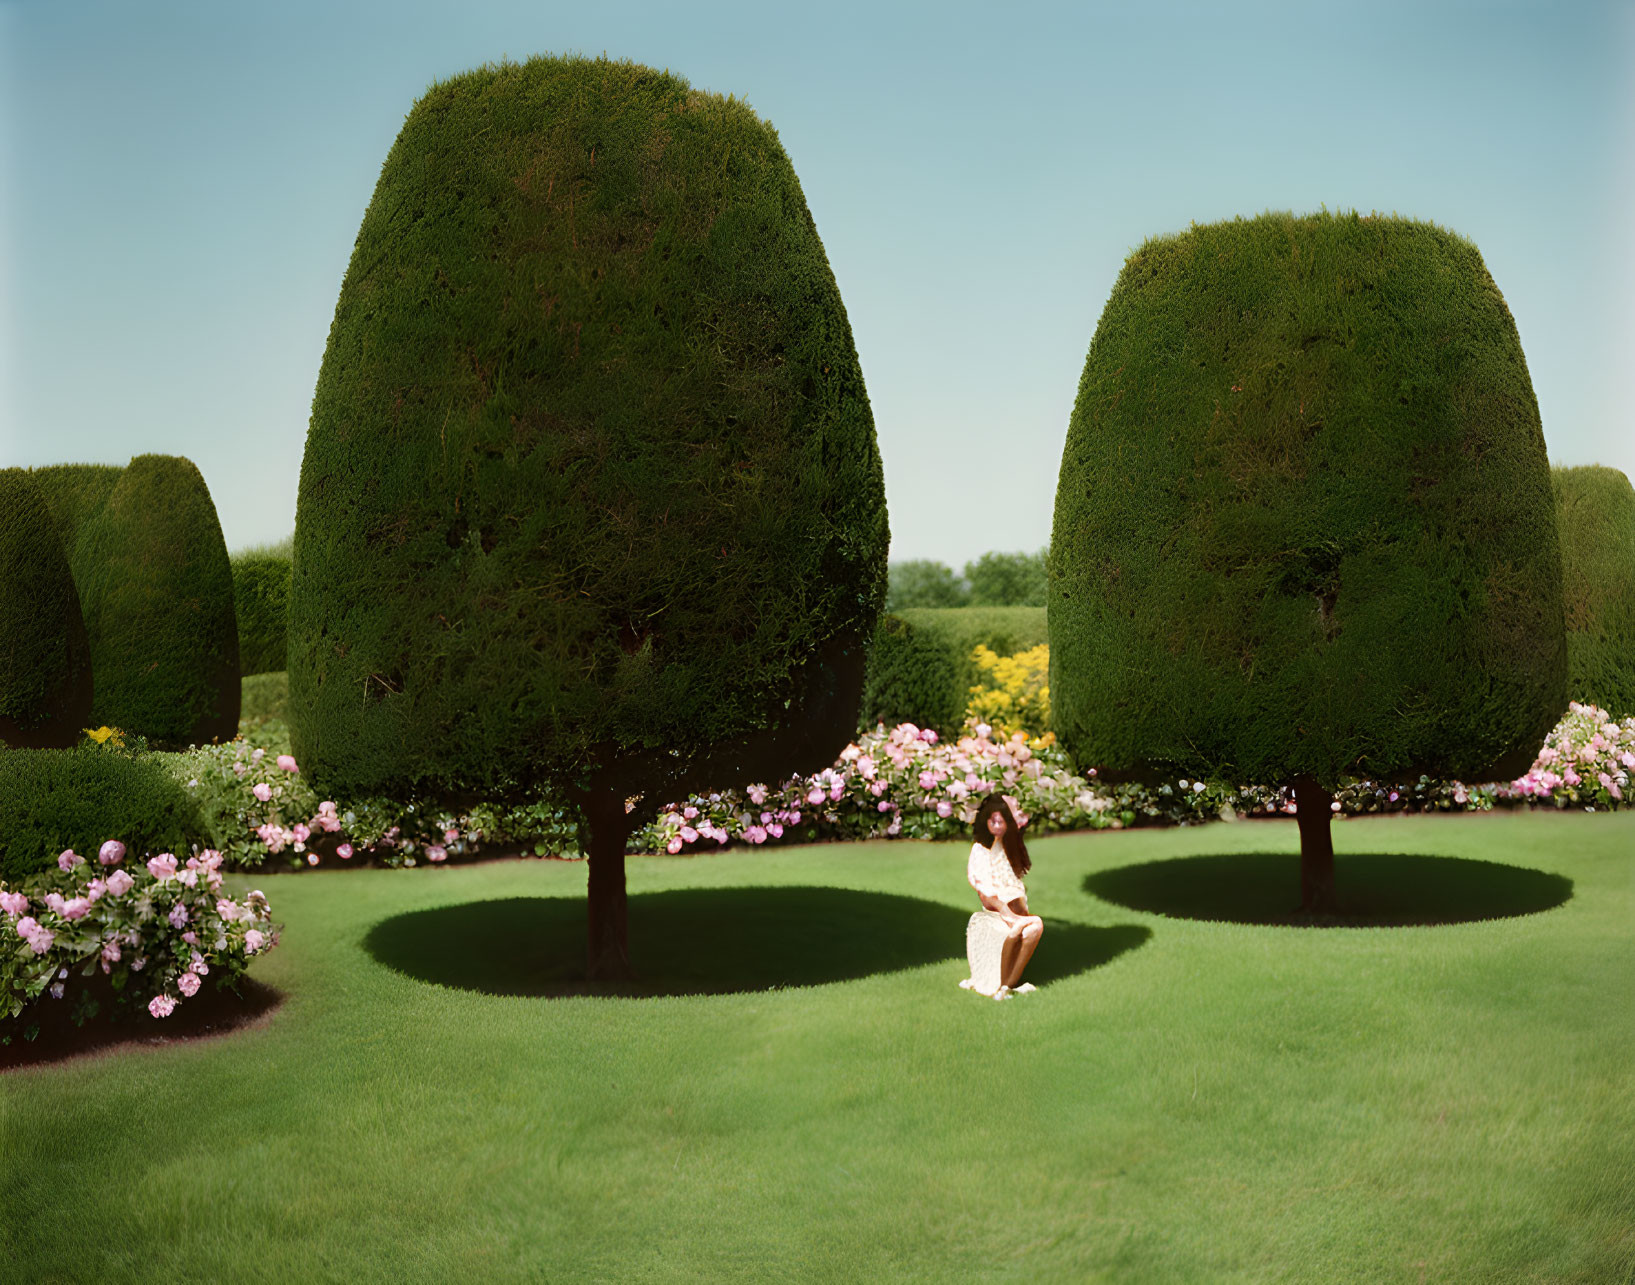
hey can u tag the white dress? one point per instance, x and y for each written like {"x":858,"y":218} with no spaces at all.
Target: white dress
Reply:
{"x":989,"y":872}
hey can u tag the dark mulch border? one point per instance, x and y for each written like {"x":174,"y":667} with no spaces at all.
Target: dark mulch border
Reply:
{"x":208,"y":1014}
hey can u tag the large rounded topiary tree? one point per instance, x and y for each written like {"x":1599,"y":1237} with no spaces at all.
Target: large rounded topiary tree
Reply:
{"x":156,"y":590}
{"x":591,"y":498}
{"x":1304,"y":527}
{"x":45,"y":659}
{"x":1595,"y":507}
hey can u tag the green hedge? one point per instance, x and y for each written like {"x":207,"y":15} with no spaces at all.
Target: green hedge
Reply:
{"x":265,"y":697}
{"x":45,"y":657}
{"x":1304,"y":522}
{"x":80,"y":798}
{"x":1596,"y":510}
{"x":156,"y":589}
{"x":75,"y":494}
{"x":591,"y":473}
{"x":920,"y":668}
{"x":261,"y":591}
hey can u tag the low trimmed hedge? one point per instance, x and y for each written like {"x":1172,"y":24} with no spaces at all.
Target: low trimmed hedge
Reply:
{"x":79,"y":798}
{"x":920,"y":669}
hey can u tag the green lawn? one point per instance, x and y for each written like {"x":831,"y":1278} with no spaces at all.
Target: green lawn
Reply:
{"x":1181,"y":1100}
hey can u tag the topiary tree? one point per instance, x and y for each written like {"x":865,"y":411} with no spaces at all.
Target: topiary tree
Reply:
{"x":591,"y":499}
{"x":1304,"y":527}
{"x":156,"y":590}
{"x":261,"y":589}
{"x":45,"y":658}
{"x":75,"y":493}
{"x":1595,"y":507}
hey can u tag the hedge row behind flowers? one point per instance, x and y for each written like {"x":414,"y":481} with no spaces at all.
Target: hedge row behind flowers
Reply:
{"x":156,"y":929}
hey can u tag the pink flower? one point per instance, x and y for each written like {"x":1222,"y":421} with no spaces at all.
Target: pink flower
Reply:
{"x":188,"y":984}
{"x":239,"y":769}
{"x":110,"y":950}
{"x":928,"y":735}
{"x":436,"y":852}
{"x":111,"y":853}
{"x":451,"y":836}
{"x":162,"y":867}
{"x":883,"y":806}
{"x":775,"y":830}
{"x":945,"y":809}
{"x":54,"y":902}
{"x":68,"y":860}
{"x":326,"y":808}
{"x":76,"y":908}
{"x":177,"y":915}
{"x":119,"y":883}
{"x":13,"y":903}
{"x":39,"y":939}
{"x":757,"y":794}
{"x":161,"y":1006}
{"x":815,"y":795}
{"x":689,"y":813}
{"x":95,"y":889}
{"x":227,"y":908}
{"x":191,"y":937}
{"x":300,"y":832}
{"x":189,"y":878}
{"x":688,"y":834}
{"x":258,"y":755}
{"x":253,"y":941}
{"x":312,"y":857}
{"x":674,"y":846}
{"x":287,"y":762}
{"x":344,"y":852}
{"x":262,"y":791}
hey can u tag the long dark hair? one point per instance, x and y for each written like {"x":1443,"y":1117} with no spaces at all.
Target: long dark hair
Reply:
{"x":1015,"y":849}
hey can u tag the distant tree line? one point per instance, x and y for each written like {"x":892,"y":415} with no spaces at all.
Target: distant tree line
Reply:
{"x":993,"y":580}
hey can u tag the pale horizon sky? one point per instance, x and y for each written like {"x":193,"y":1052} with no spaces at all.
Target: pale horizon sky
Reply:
{"x":182,"y":184}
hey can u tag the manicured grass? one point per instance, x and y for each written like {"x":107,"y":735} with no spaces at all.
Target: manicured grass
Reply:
{"x":1182,"y":1100}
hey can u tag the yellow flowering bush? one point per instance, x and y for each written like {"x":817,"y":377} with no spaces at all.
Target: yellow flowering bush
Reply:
{"x":1013,"y":692}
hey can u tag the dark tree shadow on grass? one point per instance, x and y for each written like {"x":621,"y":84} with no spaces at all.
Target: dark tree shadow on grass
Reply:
{"x":708,"y":941}
{"x":1375,"y":890}
{"x":213,"y":1012}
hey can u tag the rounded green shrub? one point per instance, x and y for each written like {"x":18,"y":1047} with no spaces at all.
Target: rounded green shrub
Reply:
{"x":591,"y":495}
{"x":156,"y":589}
{"x":261,"y":589}
{"x":80,"y":798}
{"x":75,"y":493}
{"x":1304,"y":526}
{"x":920,"y":669}
{"x":1595,"y":507}
{"x":45,"y":658}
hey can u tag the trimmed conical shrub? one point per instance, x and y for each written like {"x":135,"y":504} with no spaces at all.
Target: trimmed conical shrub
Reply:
{"x":1596,"y":509}
{"x":1304,"y":526}
{"x":156,"y":589}
{"x":591,"y":495}
{"x":261,"y":589}
{"x":45,"y":659}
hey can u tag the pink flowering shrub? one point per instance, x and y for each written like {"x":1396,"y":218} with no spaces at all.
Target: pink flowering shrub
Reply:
{"x":154,"y":928}
{"x":1586,"y":762}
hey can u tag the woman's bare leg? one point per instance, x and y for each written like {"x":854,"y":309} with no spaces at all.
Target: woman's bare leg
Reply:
{"x":1012,"y":962}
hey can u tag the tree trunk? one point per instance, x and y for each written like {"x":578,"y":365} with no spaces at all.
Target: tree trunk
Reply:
{"x":608,"y":959}
{"x":1315,"y":814}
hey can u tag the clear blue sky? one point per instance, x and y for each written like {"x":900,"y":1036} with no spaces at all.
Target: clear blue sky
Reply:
{"x":181,"y":183}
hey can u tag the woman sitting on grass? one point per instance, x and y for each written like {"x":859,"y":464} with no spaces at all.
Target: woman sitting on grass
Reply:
{"x":999,"y":860}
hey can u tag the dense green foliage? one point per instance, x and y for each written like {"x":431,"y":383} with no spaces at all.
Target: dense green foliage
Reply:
{"x":80,"y":798}
{"x":591,"y":473}
{"x":924,"y":582}
{"x":75,"y":493}
{"x":263,"y":697}
{"x":45,"y":659}
{"x":993,"y":580}
{"x":920,"y":669}
{"x":1304,"y":524}
{"x":1214,"y":1102}
{"x":261,"y":588}
{"x":1596,"y":511}
{"x":1007,"y":579}
{"x":156,"y":590}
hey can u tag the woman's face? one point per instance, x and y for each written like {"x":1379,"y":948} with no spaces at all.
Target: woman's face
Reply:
{"x":996,"y":824}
